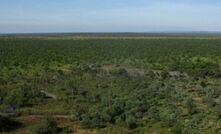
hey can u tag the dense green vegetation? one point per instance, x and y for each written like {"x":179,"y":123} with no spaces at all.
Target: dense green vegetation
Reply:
{"x":115,"y":86}
{"x":49,"y":126}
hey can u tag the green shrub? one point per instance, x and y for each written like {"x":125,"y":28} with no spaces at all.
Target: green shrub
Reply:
{"x":153,"y":113}
{"x":210,"y":101}
{"x":67,"y":130}
{"x":15,"y":98}
{"x":170,"y":119}
{"x":20,"y":97}
{"x":191,"y":107}
{"x":190,"y":127}
{"x":47,"y":126}
{"x":177,"y":129}
{"x":131,"y":122}
{"x":219,"y":111}
{"x":92,"y":121}
{"x":120,"y":72}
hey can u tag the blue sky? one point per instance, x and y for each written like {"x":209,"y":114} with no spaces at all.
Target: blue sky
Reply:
{"x":28,"y":16}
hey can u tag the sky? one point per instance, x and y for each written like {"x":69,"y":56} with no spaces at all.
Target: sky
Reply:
{"x":46,"y":16}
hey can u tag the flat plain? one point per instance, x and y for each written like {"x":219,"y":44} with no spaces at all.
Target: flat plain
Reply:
{"x":110,"y":83}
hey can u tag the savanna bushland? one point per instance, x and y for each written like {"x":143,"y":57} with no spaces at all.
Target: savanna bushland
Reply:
{"x":123,"y":85}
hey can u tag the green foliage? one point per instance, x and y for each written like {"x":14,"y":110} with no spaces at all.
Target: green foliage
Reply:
{"x":177,"y":129}
{"x":131,"y":122}
{"x":196,"y":57}
{"x":190,"y":127}
{"x":209,"y":100}
{"x":154,"y":113}
{"x":92,"y":120}
{"x":120,"y":72}
{"x":17,"y":98}
{"x":66,"y":130}
{"x":117,"y":84}
{"x":47,"y":126}
{"x":170,"y":119}
{"x":219,"y":111}
{"x":191,"y":107}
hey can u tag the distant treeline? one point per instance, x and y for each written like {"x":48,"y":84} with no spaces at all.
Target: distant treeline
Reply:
{"x":117,"y":34}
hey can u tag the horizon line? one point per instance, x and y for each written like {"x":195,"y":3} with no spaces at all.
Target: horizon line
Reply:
{"x":122,"y":32}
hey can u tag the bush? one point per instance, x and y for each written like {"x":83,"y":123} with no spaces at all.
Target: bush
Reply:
{"x":131,"y":122}
{"x":67,"y":131}
{"x":219,"y":111}
{"x":47,"y":126}
{"x":93,"y":119}
{"x":20,"y":97}
{"x":14,"y":99}
{"x":109,"y":114}
{"x":164,"y":74}
{"x":177,"y":129}
{"x":190,"y":127}
{"x":170,"y":119}
{"x":210,"y":101}
{"x":191,"y":106}
{"x":120,"y":72}
{"x":153,"y":113}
